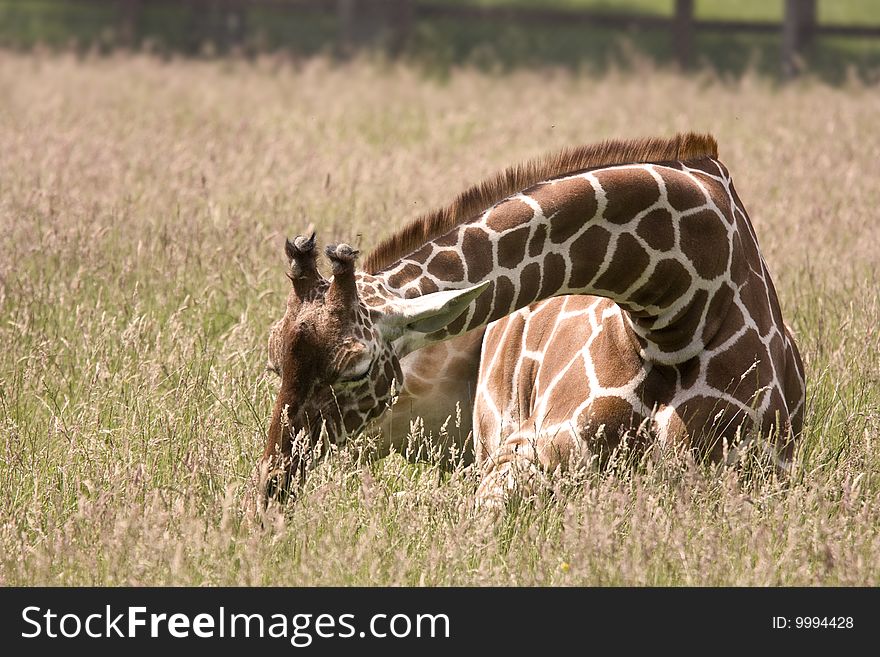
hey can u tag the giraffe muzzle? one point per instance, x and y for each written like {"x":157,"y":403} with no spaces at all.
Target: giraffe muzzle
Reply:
{"x":281,"y":483}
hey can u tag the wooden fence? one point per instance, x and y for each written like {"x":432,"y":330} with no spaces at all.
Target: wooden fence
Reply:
{"x":391,"y":21}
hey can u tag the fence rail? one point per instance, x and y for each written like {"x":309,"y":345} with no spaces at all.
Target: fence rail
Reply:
{"x":364,"y":21}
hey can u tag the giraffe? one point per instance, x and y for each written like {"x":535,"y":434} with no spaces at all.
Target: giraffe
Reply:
{"x":572,"y":300}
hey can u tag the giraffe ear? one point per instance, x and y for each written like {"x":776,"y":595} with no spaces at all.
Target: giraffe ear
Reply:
{"x":429,"y":312}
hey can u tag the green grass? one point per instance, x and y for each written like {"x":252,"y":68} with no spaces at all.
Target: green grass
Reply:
{"x":438,"y":45}
{"x":143,"y":205}
{"x":832,"y":11}
{"x":655,"y":7}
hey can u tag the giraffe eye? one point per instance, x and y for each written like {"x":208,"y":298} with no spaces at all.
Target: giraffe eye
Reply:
{"x":358,"y":373}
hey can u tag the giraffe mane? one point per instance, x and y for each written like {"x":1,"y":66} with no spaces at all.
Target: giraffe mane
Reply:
{"x":479,"y":197}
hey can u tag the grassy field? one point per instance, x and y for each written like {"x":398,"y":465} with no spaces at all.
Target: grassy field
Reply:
{"x":143,"y":205}
{"x":846,"y":11}
{"x":441,"y":44}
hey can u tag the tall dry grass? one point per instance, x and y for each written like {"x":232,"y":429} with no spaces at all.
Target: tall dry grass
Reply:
{"x":143,"y":205}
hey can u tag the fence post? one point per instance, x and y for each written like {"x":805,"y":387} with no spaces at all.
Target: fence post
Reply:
{"x":129,"y":16}
{"x":798,"y":29}
{"x":683,"y":32}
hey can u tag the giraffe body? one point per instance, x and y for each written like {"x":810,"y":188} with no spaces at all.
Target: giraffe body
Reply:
{"x":570,"y":376}
{"x":617,"y":295}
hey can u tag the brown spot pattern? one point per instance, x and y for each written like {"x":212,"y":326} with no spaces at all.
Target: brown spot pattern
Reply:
{"x":503,"y":297}
{"x":659,"y":385}
{"x":427,"y":286}
{"x":723,"y":318}
{"x":615,"y":413}
{"x":509,"y":214}
{"x":512,"y":247}
{"x":656,"y":229}
{"x":681,"y":192}
{"x":422,"y":254}
{"x":704,"y":242}
{"x":447,"y":266}
{"x":679,"y":333}
{"x":587,"y":253}
{"x":483,"y":305}
{"x":688,"y":372}
{"x":710,"y":420}
{"x":405,"y":275}
{"x":478,"y":250}
{"x":536,"y":244}
{"x":627,"y":265}
{"x":449,"y":239}
{"x":628,"y":192}
{"x":668,"y":282}
{"x":567,"y":204}
{"x":615,"y":363}
{"x":553,"y":275}
{"x":529,"y":280}
{"x":725,"y":370}
{"x":705,"y":165}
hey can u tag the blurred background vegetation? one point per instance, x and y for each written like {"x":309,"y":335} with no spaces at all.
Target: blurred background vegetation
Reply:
{"x":594,"y":35}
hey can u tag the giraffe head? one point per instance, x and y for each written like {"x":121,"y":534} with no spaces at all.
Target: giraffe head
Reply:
{"x":337,"y":351}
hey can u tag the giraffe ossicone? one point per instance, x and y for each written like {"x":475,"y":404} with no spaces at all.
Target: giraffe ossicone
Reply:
{"x":608,"y":292}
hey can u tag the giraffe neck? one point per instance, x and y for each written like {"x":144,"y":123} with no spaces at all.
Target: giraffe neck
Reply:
{"x":661,"y":240}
